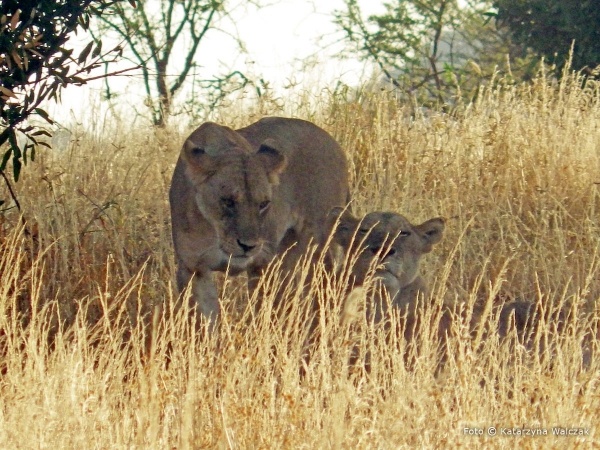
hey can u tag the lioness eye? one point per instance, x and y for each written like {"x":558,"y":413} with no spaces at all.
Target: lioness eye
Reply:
{"x":264,"y":205}
{"x":228,"y":203}
{"x":405,"y":233}
{"x":364,"y":230}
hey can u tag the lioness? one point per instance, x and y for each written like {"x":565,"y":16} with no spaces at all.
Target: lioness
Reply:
{"x":239,"y":198}
{"x":388,"y":244}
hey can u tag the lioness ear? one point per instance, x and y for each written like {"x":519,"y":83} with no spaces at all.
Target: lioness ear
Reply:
{"x":432,"y":232}
{"x":334,"y":213}
{"x":199,"y":165}
{"x":272,"y":159}
{"x":346,"y":225}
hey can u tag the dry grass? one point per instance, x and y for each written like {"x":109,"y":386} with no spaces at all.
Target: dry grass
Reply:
{"x":517,"y":176}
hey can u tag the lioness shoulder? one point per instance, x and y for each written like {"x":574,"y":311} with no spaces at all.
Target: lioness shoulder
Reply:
{"x":240,"y":197}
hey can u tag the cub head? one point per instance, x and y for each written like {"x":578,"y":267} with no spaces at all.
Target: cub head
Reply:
{"x":385,"y":242}
{"x":233,"y":184}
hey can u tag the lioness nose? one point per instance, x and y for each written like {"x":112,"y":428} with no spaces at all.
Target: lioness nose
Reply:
{"x":245,"y":247}
{"x":391,"y":251}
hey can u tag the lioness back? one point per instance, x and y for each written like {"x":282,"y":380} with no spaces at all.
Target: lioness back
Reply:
{"x":317,"y":173}
{"x":240,"y":198}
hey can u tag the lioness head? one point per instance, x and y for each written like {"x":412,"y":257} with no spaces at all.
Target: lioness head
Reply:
{"x":385,"y":242}
{"x":233,"y":185}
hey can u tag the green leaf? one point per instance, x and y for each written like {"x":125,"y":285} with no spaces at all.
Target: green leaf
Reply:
{"x":16,"y":168}
{"x":489,"y":16}
{"x":77,"y":81}
{"x":5,"y":158}
{"x":27,"y":147}
{"x":41,"y":133}
{"x":44,"y":115}
{"x":12,"y":138}
{"x":98,"y":49}
{"x":84,"y":21}
{"x":85,"y":52}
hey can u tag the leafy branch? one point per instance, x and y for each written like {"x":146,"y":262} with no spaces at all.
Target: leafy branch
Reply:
{"x":36,"y":64}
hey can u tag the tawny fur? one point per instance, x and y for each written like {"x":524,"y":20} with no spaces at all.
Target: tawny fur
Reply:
{"x":241,"y":198}
{"x":387,"y":247}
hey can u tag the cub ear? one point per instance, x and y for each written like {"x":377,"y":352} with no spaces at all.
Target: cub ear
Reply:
{"x":273,"y":160}
{"x":432,"y":232}
{"x":346,"y":225}
{"x":199,"y":165}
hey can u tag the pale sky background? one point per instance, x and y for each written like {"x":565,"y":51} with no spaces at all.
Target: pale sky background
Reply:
{"x":278,"y":38}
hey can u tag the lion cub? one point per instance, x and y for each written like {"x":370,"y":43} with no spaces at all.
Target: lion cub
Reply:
{"x":388,"y":247}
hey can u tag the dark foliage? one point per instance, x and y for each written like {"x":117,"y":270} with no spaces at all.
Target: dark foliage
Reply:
{"x":549,"y":28}
{"x":35,"y":64}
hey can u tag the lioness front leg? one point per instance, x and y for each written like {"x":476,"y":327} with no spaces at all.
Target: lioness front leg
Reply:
{"x":272,"y":293}
{"x":254,"y":275}
{"x":204,"y":297}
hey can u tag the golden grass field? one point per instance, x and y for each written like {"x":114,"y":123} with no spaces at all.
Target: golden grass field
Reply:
{"x":86,"y":364}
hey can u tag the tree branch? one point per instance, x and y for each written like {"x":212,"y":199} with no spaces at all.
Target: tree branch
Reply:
{"x":190,"y":56}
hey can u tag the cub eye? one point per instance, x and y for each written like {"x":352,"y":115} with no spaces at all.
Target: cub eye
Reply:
{"x":364,"y":230}
{"x":228,"y":202}
{"x":405,"y":233}
{"x":264,"y":205}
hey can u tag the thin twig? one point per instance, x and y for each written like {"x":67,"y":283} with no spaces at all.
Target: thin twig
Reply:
{"x":118,"y":72}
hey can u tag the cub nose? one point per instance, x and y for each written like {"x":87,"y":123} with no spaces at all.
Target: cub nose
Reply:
{"x":245,"y":247}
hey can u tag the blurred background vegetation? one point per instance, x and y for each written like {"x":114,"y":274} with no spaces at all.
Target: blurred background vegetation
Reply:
{"x":433,"y":53}
{"x":440,"y":52}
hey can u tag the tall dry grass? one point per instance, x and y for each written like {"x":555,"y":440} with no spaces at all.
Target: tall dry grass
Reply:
{"x":88,"y":362}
